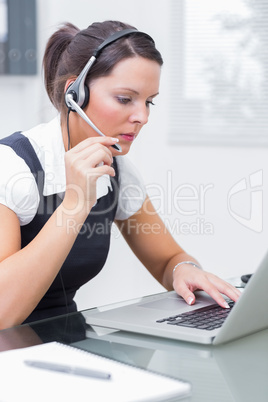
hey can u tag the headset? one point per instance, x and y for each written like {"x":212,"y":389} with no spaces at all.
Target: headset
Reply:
{"x":77,"y":94}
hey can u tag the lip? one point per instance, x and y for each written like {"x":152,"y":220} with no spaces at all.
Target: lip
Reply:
{"x":128,"y":136}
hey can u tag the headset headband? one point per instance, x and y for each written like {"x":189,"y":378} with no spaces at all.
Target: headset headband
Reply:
{"x":77,"y":88}
{"x":117,"y":35}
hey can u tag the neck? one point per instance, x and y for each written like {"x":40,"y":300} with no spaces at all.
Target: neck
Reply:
{"x":64,"y":132}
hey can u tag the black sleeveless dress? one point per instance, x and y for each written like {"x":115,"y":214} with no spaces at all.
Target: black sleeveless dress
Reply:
{"x":90,"y":250}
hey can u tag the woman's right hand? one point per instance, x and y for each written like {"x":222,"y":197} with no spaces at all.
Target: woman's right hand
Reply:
{"x":84,"y":164}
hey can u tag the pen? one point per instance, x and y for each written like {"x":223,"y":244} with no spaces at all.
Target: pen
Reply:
{"x":61,"y":368}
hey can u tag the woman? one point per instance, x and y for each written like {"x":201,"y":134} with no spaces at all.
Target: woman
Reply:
{"x":62,"y":181}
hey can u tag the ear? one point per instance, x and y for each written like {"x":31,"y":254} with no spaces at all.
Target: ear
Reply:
{"x":69,"y":82}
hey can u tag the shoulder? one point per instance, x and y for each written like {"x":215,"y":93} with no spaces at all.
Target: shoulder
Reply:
{"x":18,"y":189}
{"x":47,"y":142}
{"x":45,"y":138}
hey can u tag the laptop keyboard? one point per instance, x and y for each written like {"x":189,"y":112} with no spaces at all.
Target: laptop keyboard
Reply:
{"x":207,"y":318}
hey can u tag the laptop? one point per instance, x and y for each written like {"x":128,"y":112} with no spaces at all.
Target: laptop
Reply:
{"x":166,"y":314}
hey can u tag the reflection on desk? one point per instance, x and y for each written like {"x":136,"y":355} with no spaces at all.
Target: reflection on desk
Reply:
{"x":66,"y":329}
{"x":235,"y":372}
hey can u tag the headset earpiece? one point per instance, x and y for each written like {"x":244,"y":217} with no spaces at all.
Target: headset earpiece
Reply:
{"x":73,"y":93}
{"x":86,"y":100}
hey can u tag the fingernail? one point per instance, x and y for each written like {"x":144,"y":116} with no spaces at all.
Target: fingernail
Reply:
{"x":115,"y":139}
{"x":226,"y":305}
{"x":190,"y":300}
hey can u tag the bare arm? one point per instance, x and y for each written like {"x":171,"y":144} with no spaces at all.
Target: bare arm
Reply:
{"x":26,"y":274}
{"x":150,"y":240}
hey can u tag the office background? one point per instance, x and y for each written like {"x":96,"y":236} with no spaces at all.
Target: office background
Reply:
{"x":212,"y":195}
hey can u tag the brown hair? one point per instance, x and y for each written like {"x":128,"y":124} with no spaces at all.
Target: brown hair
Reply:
{"x":69,"y":49}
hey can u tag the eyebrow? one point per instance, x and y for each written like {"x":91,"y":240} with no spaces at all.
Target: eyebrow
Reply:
{"x":136,"y":92}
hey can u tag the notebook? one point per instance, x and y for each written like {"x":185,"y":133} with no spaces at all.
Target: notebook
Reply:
{"x":126,"y":383}
{"x":149,"y":315}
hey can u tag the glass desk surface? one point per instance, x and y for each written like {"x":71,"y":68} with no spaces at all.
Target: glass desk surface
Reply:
{"x":237,"y":371}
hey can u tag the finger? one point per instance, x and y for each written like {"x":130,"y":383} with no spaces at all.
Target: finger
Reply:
{"x":93,"y":173}
{"x":225,"y":288}
{"x":215,"y":291}
{"x":106,"y":141}
{"x":105,"y":169}
{"x":204,"y":282}
{"x":86,"y":148}
{"x":99,"y":157}
{"x":183,"y":290}
{"x":217,"y":296}
{"x":93,"y":155}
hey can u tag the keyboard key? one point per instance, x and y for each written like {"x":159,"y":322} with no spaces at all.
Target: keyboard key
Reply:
{"x":208,"y":318}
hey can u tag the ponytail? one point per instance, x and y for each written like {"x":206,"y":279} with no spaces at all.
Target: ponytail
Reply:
{"x":56,"y":46}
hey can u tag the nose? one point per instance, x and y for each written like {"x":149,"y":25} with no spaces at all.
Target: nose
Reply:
{"x":140,"y":115}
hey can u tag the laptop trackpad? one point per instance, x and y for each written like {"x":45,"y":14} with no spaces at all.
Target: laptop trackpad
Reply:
{"x":167,"y":304}
{"x":173,"y":302}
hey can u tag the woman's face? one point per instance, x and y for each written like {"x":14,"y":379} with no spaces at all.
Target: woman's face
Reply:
{"x":119,"y":104}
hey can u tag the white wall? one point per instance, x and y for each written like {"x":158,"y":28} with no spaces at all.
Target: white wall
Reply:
{"x":232,"y":248}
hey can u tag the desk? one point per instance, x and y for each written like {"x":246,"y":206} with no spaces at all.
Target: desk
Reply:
{"x":234,"y":372}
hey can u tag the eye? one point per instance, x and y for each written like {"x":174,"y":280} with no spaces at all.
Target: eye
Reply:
{"x":148,"y":103}
{"x":124,"y":100}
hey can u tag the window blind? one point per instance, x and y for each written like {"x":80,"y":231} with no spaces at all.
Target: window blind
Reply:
{"x":219,"y":72}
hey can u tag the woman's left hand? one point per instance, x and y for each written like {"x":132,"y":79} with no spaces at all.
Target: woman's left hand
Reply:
{"x":188,"y":278}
